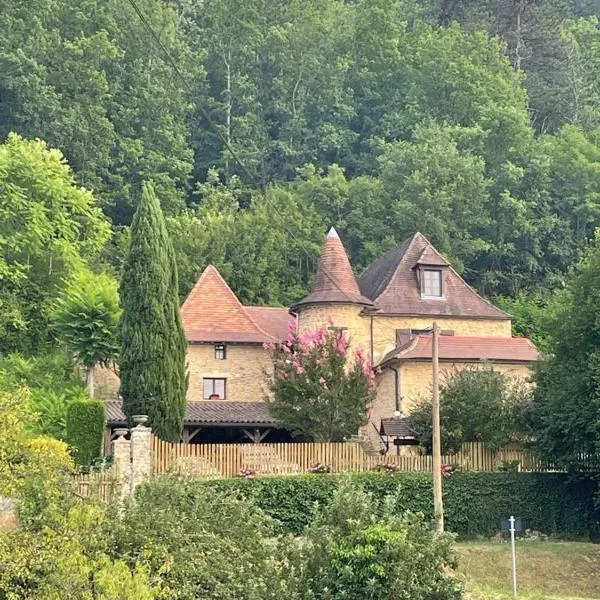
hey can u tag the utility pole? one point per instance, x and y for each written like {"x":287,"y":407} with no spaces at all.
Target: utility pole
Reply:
{"x":438,"y":504}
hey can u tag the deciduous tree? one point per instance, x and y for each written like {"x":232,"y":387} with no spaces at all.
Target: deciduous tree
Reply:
{"x":319,"y":389}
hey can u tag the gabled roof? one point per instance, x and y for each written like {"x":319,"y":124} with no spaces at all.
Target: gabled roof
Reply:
{"x":210,"y":412}
{"x":430,"y":257}
{"x":397,"y":427}
{"x":212,"y":313}
{"x":467,"y":349}
{"x":391,"y":284}
{"x":334,"y":280}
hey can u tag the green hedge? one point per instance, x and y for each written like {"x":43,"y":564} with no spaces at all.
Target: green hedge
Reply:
{"x":474,"y":503}
{"x":86,"y":421}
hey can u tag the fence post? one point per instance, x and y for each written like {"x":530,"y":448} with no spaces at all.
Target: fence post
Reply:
{"x":141,"y":452}
{"x":121,"y":451}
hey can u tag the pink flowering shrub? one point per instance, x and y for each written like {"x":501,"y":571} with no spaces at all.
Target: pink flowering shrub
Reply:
{"x":388,"y":468}
{"x":447,"y":470}
{"x":319,"y":467}
{"x":246,"y":473}
{"x":321,"y":389}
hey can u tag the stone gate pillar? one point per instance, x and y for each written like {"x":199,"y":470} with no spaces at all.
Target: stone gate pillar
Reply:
{"x":121,"y":451}
{"x":141,"y":452}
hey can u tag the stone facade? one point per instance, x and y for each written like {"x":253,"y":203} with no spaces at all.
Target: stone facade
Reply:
{"x":358,"y":326}
{"x":244,"y":368}
{"x":384,"y":329}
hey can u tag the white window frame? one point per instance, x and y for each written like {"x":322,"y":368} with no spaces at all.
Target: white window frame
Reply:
{"x":440,"y":275}
{"x":205,"y":380}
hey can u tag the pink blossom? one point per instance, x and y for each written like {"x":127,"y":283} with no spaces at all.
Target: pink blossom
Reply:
{"x":285,"y":347}
{"x":341,"y":345}
{"x":299,"y":369}
{"x":323,"y":383}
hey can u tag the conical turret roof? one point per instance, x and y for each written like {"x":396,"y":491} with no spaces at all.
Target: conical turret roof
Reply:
{"x":334,"y":280}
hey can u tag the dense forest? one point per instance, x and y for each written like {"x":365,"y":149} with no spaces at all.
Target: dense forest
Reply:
{"x":261,"y":123}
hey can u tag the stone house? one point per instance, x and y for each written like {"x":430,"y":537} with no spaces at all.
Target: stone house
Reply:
{"x":227,"y":365}
{"x":388,"y":312}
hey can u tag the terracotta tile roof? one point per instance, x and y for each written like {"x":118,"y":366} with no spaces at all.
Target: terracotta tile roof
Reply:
{"x":431,"y":257}
{"x":397,"y":427}
{"x":462,"y":348}
{"x":272,"y":319}
{"x":212,"y":313}
{"x":334,"y":279}
{"x":391,"y":283}
{"x":209,"y":412}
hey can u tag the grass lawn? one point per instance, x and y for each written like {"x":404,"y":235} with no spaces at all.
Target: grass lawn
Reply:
{"x":548,"y":569}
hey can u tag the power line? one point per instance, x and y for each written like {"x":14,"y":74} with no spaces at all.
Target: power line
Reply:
{"x":253,"y":177}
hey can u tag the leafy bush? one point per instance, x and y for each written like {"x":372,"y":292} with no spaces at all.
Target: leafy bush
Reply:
{"x":198,"y":543}
{"x":86,"y":421}
{"x":85,"y":319}
{"x":68,"y":561}
{"x":33,"y":470}
{"x":474,"y":503}
{"x":52,"y":386}
{"x":60,"y":550}
{"x":476,"y":405}
{"x":358,"y":547}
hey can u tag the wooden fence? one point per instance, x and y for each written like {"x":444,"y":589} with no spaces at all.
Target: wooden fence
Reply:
{"x":228,"y":460}
{"x":102,"y":485}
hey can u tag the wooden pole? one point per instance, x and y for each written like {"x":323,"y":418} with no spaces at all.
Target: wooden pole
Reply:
{"x":438,"y":505}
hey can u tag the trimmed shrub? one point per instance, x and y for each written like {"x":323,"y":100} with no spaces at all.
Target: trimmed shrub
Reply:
{"x":474,"y":503}
{"x":85,"y":430}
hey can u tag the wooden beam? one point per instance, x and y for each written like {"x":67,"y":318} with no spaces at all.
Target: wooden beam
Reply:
{"x":256,"y":436}
{"x":438,"y":505}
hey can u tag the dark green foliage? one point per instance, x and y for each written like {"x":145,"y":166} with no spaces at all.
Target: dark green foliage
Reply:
{"x":474,"y":503}
{"x":153,"y":346}
{"x":564,"y":416}
{"x":86,"y":421}
{"x":476,"y":405}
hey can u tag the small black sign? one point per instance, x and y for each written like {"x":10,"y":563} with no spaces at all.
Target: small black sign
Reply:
{"x":505,"y":524}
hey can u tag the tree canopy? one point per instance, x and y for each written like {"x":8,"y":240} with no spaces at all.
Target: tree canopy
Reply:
{"x":475,"y":123}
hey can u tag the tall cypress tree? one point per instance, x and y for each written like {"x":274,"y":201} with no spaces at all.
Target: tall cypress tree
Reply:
{"x":153,"y":345}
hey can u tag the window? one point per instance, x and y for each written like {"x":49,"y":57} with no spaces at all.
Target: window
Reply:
{"x":220,"y":352}
{"x":214,"y":388}
{"x":432,"y":283}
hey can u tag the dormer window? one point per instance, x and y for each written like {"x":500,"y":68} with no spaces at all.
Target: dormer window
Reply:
{"x":431,"y":283}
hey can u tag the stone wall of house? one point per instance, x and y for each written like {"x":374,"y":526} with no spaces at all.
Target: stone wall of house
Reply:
{"x":106,"y":383}
{"x":244,"y":367}
{"x":313,"y":317}
{"x":384,"y":329}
